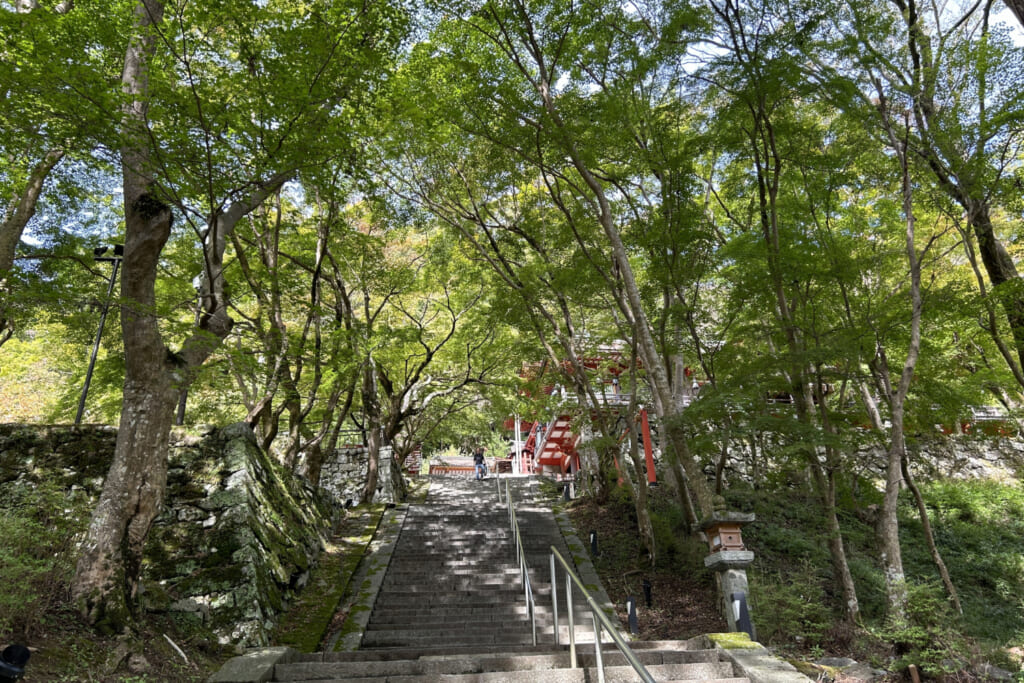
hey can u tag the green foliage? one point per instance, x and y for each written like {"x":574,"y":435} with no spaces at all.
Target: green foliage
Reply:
{"x":39,"y":526}
{"x":790,"y":607}
{"x":932,"y":638}
{"x":979,"y":528}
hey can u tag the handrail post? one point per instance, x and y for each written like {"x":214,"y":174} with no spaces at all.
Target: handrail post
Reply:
{"x":597,"y":646}
{"x":554,"y":599}
{"x":533,"y":616}
{"x":571,"y":618}
{"x":600,"y":620}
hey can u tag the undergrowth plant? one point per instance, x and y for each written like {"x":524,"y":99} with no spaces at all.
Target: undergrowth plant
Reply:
{"x":38,"y":525}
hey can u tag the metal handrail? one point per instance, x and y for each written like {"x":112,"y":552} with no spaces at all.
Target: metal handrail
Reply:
{"x":524,"y":570}
{"x":600,"y":620}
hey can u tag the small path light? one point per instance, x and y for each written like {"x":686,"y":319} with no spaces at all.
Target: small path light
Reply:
{"x":12,"y":663}
{"x":634,"y":625}
{"x":742,"y":614}
{"x":100,"y":254}
{"x":593,"y":544}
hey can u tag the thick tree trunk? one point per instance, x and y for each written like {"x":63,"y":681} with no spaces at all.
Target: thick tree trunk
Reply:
{"x":106,"y":583}
{"x":107,"y":572}
{"x":372,"y":465}
{"x":1002,"y":272}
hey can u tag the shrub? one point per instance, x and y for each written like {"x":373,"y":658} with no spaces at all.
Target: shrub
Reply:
{"x":931,"y":638}
{"x":38,"y":524}
{"x":790,"y":608}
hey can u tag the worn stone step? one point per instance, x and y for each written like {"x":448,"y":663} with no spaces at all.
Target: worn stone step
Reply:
{"x":523,"y":664}
{"x":424,"y":652}
{"x":390,"y":618}
{"x":432,"y":623}
{"x":438,"y":638}
{"x":413,"y":598}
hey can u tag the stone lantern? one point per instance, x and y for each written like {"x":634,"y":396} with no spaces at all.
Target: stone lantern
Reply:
{"x":729,"y":558}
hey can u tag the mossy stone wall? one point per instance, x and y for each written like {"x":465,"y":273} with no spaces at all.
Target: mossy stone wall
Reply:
{"x":343,"y":476}
{"x":236,"y":539}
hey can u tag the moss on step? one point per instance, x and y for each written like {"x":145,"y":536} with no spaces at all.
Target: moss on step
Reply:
{"x":306,"y":624}
{"x":732,"y":641}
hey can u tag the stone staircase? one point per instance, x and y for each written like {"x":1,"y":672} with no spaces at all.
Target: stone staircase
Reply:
{"x":451,"y":606}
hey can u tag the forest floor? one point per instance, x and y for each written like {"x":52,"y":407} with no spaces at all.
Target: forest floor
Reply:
{"x":682,"y":606}
{"x":64,"y":650}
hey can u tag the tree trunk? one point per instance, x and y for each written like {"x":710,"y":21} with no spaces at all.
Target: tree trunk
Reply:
{"x":657,"y":373}
{"x":107,"y":573}
{"x":371,"y":411}
{"x":929,"y":538}
{"x":24,"y":207}
{"x":889,"y":529}
{"x":892,"y":560}
{"x":837,"y":551}
{"x":643,"y":515}
{"x":15,"y":219}
{"x":1000,"y":268}
{"x":107,"y":576}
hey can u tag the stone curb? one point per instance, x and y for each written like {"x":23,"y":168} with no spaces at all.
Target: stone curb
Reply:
{"x":256,"y":666}
{"x":753,"y":660}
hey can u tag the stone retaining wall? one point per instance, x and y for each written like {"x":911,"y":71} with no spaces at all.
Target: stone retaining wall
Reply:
{"x":957,"y":456}
{"x":237,"y":537}
{"x":343,"y":476}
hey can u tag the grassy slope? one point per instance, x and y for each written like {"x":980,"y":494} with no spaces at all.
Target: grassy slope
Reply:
{"x":979,"y":529}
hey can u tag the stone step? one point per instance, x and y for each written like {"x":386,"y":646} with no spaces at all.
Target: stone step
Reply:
{"x":441,"y":638}
{"x":411,"y":596}
{"x":432,"y":584}
{"x":446,"y":613}
{"x":499,"y":667}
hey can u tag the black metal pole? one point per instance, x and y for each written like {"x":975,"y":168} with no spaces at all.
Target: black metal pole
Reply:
{"x":96,"y":345}
{"x":179,"y":419}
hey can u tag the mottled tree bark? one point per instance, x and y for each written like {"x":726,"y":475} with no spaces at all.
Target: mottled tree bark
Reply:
{"x":371,"y":413}
{"x":133,"y":490}
{"x":106,"y":577}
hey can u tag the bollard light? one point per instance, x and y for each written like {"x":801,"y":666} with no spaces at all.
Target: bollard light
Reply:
{"x":741,"y":613}
{"x":12,"y":663}
{"x":634,"y":625}
{"x":593,"y":543}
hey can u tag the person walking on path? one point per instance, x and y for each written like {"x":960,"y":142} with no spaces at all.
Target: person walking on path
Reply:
{"x":478,"y":462}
